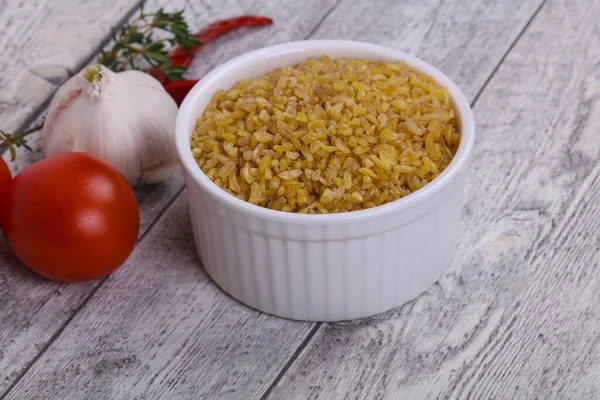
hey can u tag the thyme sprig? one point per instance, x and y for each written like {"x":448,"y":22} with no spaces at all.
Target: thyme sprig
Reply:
{"x":12,"y":141}
{"x":136,"y":46}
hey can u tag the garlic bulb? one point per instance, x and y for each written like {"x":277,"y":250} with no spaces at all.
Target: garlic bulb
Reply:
{"x":127,"y":119}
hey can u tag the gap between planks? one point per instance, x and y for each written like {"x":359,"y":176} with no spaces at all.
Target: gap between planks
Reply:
{"x":512,"y":45}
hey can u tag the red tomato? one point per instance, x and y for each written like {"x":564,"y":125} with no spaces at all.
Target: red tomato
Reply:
{"x":5,"y":178}
{"x":71,"y":217}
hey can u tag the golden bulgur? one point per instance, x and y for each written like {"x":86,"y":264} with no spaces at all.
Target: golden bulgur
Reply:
{"x":327,"y":136}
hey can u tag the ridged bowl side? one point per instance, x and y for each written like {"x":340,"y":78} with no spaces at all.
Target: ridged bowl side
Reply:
{"x":323,"y":267}
{"x":295,"y":271}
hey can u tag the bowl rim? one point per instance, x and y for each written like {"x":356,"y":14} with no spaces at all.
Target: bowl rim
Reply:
{"x":446,"y":177}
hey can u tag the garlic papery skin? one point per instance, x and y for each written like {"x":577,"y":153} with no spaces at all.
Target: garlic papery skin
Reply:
{"x":126,"y":119}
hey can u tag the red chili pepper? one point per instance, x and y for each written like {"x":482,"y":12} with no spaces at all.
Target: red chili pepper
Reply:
{"x":180,"y":57}
{"x":178,"y":90}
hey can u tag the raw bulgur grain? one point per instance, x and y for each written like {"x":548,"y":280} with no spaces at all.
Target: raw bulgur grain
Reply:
{"x":327,"y":136}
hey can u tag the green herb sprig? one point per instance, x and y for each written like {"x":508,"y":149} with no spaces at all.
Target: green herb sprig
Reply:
{"x":135,"y":45}
{"x":12,"y":141}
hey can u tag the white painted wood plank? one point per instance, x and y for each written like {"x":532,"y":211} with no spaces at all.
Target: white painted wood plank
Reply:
{"x":35,"y":310}
{"x":516,"y":317}
{"x":121,"y":328}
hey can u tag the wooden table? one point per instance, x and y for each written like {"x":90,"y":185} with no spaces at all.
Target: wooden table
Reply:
{"x":517,"y":315}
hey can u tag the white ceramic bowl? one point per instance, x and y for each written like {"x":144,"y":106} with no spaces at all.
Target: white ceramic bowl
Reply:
{"x":323,"y":267}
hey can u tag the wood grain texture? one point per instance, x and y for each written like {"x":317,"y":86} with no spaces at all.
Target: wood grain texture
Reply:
{"x":152,"y":322}
{"x":516,"y":316}
{"x":34,"y":311}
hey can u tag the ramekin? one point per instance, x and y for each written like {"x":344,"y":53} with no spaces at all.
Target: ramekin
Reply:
{"x":323,"y":267}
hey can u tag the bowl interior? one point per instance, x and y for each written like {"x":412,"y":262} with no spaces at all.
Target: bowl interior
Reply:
{"x":261,"y":61}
